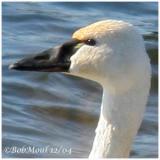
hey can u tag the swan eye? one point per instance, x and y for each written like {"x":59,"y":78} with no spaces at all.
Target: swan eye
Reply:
{"x":90,"y":42}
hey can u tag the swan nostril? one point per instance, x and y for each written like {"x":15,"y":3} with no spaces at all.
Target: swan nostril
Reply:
{"x":42,"y":57}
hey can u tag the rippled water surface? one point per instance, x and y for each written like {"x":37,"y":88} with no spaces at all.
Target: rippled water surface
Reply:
{"x":56,"y":110}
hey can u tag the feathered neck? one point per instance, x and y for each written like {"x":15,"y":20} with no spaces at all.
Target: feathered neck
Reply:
{"x":120,"y":118}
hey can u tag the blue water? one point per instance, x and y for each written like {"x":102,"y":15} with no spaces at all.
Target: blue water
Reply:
{"x":56,"y":110}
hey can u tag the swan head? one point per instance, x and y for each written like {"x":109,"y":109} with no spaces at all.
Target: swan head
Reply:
{"x":113,"y":54}
{"x":110,"y":52}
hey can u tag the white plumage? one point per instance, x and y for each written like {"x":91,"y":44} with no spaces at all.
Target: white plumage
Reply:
{"x":116,"y":58}
{"x":120,"y":64}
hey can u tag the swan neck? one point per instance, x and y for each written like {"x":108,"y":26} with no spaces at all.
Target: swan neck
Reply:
{"x":118,"y":123}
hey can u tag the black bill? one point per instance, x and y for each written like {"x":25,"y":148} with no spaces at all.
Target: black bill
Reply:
{"x":52,"y":60}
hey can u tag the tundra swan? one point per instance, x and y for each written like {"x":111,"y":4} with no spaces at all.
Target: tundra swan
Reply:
{"x":112,"y":53}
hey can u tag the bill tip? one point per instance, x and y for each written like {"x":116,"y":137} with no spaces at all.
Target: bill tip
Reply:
{"x":12,"y":66}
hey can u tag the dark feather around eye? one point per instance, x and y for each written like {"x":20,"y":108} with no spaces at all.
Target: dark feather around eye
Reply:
{"x":90,"y":42}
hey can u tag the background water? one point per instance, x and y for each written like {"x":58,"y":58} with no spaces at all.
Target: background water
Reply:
{"x":46,"y":109}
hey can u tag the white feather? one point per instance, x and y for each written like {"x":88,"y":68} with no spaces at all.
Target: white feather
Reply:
{"x":120,"y":64}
